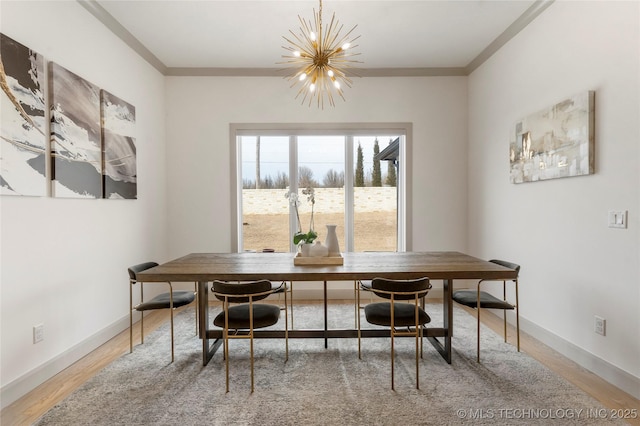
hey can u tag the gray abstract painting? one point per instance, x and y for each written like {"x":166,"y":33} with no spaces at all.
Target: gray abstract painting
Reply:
{"x":75,"y":136}
{"x":118,"y":131}
{"x":22,"y":127}
{"x":555,"y":142}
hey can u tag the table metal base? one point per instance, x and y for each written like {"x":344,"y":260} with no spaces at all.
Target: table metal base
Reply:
{"x":431,"y":333}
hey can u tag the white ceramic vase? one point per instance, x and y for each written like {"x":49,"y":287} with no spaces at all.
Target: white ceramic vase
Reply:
{"x":305,"y":249}
{"x":332,"y":241}
{"x":318,"y":250}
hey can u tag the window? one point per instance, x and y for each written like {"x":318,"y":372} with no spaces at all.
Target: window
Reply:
{"x":358,"y":176}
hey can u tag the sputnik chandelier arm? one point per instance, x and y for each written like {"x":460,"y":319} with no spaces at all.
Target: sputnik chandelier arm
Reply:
{"x":320,"y":59}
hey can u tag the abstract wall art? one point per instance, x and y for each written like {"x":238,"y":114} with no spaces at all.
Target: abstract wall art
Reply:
{"x":23,"y":130}
{"x":119,"y":145}
{"x":76,"y":148}
{"x":555,"y":142}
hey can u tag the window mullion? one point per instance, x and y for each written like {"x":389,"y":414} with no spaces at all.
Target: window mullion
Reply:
{"x":293,"y":187}
{"x":348,"y":194}
{"x":401,"y":194}
{"x":238,"y":198}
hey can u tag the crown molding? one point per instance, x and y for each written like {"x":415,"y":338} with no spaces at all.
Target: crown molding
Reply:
{"x":518,"y":25}
{"x":117,"y":29}
{"x":278,"y":72}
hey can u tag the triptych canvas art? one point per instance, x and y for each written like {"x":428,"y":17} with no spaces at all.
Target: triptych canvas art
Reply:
{"x":91,"y":132}
{"x":23,"y":130}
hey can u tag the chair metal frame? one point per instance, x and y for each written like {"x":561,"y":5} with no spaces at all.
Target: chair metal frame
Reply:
{"x":514,"y":307}
{"x":287,"y":288}
{"x":359,"y":287}
{"x":504,"y":313}
{"x":132,"y":283}
{"x":246,"y":333}
{"x":418,"y":330}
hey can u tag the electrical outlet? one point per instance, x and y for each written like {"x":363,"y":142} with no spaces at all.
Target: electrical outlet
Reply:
{"x":600,"y":326}
{"x":38,"y":333}
{"x":617,"y":219}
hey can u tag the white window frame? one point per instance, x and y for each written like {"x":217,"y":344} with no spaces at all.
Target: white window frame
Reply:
{"x":349,"y":130}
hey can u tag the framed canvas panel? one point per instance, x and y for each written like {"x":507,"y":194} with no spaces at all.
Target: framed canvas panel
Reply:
{"x":76,"y":149}
{"x":119,"y":145}
{"x":555,"y":142}
{"x":23,"y":138}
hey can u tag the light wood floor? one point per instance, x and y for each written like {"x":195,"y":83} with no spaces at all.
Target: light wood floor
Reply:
{"x":32,"y":406}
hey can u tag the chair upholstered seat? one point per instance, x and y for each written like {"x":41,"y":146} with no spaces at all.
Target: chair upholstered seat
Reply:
{"x":404,"y":314}
{"x":163,"y":301}
{"x":470,"y":298}
{"x":263,"y":316}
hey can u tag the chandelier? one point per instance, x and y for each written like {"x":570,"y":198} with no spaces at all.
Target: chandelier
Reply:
{"x":320,"y":59}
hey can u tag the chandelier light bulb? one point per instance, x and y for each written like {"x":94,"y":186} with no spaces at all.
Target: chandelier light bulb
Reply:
{"x":318,"y":59}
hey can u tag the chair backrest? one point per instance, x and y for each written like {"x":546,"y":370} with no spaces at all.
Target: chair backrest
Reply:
{"x":401,"y":289}
{"x":506,"y":264}
{"x":223,"y":289}
{"x":135,"y":269}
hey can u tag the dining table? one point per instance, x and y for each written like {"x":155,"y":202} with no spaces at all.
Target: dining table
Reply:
{"x":447,"y":266}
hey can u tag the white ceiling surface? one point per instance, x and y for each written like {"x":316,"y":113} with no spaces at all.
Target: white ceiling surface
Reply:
{"x":248,"y":34}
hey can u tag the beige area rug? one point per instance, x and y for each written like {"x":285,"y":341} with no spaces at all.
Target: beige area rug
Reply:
{"x":319,"y":386}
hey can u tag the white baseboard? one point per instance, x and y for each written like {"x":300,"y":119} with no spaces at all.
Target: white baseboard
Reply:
{"x":24,"y":384}
{"x":603,"y":369}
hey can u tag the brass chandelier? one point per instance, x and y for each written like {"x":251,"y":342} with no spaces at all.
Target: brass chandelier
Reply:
{"x":321,"y":59}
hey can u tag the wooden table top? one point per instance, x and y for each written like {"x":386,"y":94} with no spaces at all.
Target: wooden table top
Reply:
{"x":280,"y":267}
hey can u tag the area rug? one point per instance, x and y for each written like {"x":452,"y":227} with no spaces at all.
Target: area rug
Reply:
{"x":319,"y":386}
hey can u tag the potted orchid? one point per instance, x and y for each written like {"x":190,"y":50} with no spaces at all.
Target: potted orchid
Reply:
{"x":300,"y":237}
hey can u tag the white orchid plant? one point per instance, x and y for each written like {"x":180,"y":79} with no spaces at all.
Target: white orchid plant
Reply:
{"x":303,"y":237}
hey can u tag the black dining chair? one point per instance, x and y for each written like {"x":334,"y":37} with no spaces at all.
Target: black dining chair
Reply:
{"x":402,"y":311}
{"x":170,"y":300}
{"x":240,"y":315}
{"x":282,"y":288}
{"x":361,"y":287}
{"x":481,"y":299}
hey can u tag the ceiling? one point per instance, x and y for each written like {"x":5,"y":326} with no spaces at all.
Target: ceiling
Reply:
{"x":244,"y":37}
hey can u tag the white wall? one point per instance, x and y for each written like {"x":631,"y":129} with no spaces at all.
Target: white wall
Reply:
{"x":74,"y":280}
{"x":199,"y":110}
{"x":573,"y":265}
{"x":64,"y":260}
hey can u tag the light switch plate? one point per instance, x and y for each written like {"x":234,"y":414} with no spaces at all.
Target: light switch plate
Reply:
{"x":617,"y":219}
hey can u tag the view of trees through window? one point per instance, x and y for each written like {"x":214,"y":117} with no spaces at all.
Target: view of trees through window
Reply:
{"x":268,"y":170}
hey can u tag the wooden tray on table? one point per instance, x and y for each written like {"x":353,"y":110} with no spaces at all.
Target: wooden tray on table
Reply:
{"x":318,"y":261}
